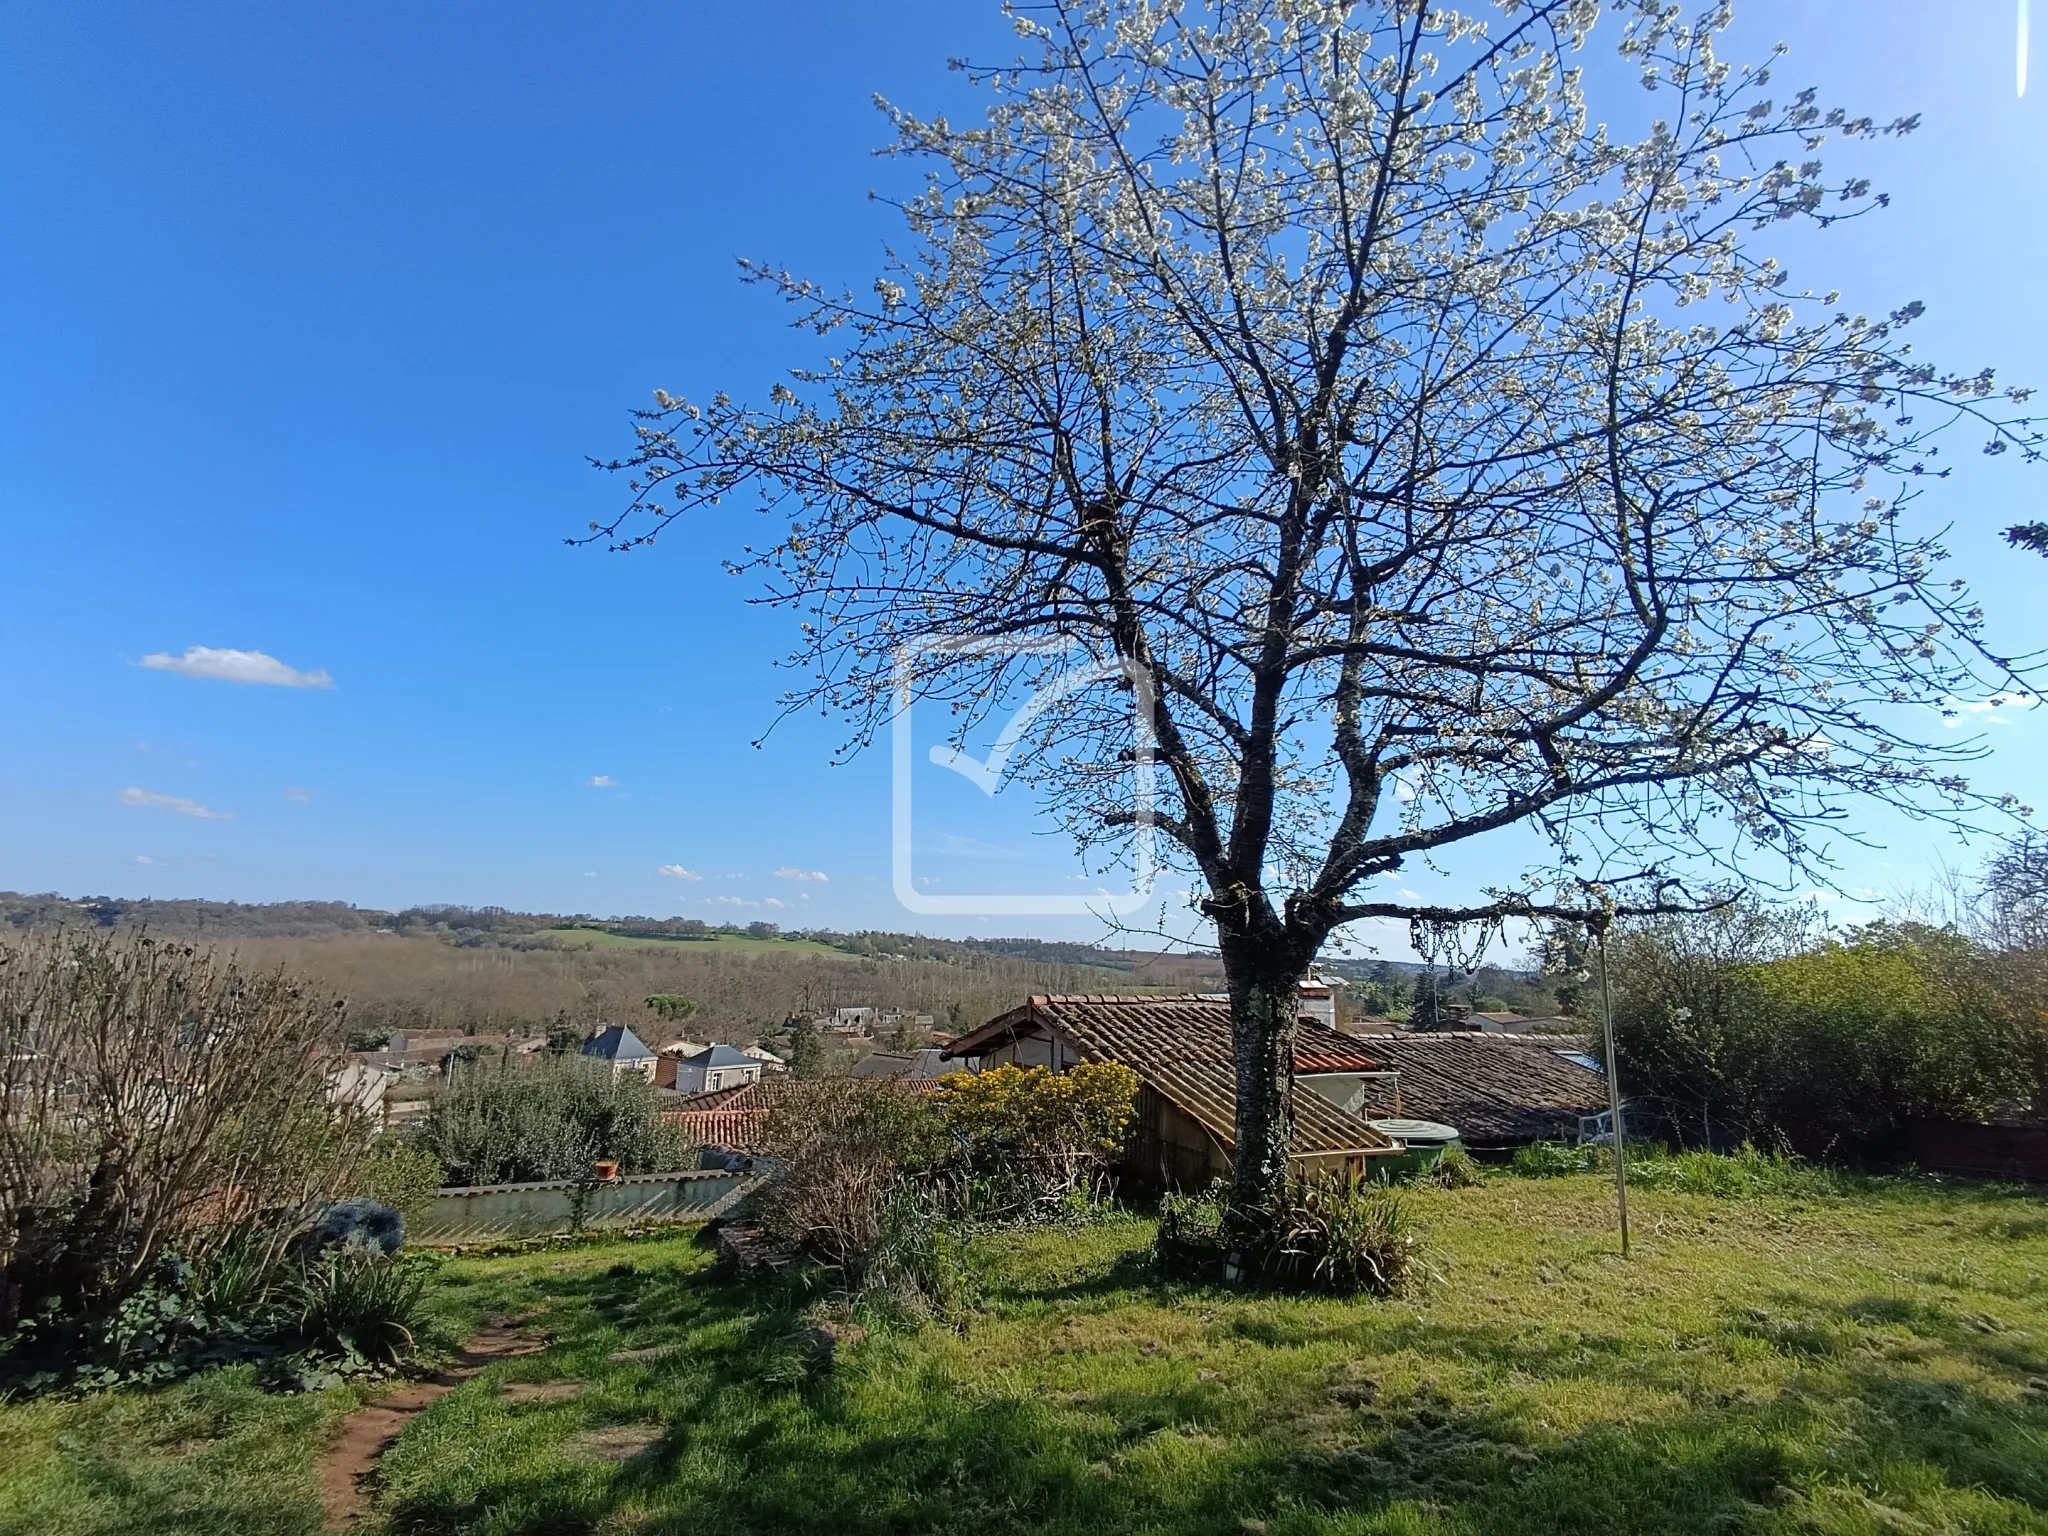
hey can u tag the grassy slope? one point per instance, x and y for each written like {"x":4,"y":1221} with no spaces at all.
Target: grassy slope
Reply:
{"x":597,"y":938}
{"x":1855,"y":1365}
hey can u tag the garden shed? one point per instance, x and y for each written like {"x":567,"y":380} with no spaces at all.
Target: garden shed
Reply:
{"x":1187,"y":1102}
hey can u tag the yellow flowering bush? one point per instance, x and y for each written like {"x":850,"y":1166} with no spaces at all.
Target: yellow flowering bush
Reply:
{"x":1061,"y":1126}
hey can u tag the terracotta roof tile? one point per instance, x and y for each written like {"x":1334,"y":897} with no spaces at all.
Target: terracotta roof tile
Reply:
{"x":1497,"y":1090}
{"x":1180,"y":1046}
{"x":1193,"y":1026}
{"x":1207,"y":1093}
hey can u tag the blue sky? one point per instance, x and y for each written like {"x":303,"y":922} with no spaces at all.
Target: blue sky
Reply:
{"x":310,"y":315}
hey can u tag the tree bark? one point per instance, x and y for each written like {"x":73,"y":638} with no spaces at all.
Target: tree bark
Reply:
{"x":1264,"y":975}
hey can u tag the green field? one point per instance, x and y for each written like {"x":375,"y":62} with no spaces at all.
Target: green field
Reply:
{"x":1853,"y":1363}
{"x":729,"y":943}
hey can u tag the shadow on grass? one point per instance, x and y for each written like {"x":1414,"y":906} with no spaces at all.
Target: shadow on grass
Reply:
{"x":759,"y":1438}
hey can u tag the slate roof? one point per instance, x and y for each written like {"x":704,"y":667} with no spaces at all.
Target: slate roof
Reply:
{"x":615,"y":1042}
{"x":723,"y":1056}
{"x":1498,"y":1090}
{"x":1193,"y":1026}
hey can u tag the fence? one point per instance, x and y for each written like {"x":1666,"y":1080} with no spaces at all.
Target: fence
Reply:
{"x":498,"y":1212}
{"x":1980,"y":1151}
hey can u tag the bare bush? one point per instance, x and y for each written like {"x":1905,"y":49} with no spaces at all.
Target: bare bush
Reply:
{"x":152,"y":1096}
{"x":848,"y":1144}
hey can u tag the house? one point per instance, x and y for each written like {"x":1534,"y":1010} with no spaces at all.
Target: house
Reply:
{"x":1499,"y":1090}
{"x":620,"y":1049}
{"x":712,"y":1069}
{"x":1180,"y":1048}
{"x":851,"y":1021}
{"x":1503,"y":1021}
{"x":928,"y":1063}
{"x":770,"y":1062}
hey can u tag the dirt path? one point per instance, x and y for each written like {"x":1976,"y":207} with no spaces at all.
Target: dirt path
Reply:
{"x":351,"y":1461}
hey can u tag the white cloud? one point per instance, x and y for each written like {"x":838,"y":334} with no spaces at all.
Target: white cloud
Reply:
{"x":791,"y":872}
{"x":178,"y":803}
{"x":143,"y":858}
{"x":731,"y":901}
{"x":677,"y":872}
{"x":229,"y":666}
{"x":300,"y":795}
{"x":604,"y":781}
{"x":770,"y":901}
{"x":590,"y":874}
{"x":1952,"y":708}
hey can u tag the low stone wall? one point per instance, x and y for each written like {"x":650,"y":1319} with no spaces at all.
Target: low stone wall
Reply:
{"x":501,"y":1212}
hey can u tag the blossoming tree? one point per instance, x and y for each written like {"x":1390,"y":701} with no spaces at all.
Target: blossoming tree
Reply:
{"x":1422,"y":458}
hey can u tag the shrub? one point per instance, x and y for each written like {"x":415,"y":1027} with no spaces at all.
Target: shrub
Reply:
{"x":1746,"y":1028}
{"x":1340,"y":1233}
{"x":1547,"y":1160}
{"x":848,"y":1144}
{"x":151,"y":1094}
{"x":1744,"y":1173}
{"x":1456,"y":1168}
{"x":1033,"y":1139}
{"x":501,"y":1124}
{"x":302,"y":1318}
{"x":404,"y":1173}
{"x":1190,"y":1240}
{"x":356,"y":1303}
{"x":911,"y":1274}
{"x":1332,"y":1232}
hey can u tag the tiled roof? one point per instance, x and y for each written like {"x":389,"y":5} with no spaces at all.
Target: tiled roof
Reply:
{"x":1191,"y":1027}
{"x":615,"y":1042}
{"x":738,"y":1117}
{"x":717,"y":1098}
{"x":723,"y":1056}
{"x":916,"y":1067}
{"x":1206,"y":1092}
{"x":1180,"y":1045}
{"x":1496,"y":1089}
{"x":740,"y":1130}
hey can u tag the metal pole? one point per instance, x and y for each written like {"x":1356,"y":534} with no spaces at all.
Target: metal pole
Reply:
{"x":1614,"y":1097}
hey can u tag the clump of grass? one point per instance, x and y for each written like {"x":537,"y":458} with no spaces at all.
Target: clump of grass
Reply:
{"x":1548,"y":1160}
{"x":1336,"y":1233}
{"x":358,"y":1304}
{"x":1456,"y":1168}
{"x":1343,"y":1235}
{"x":1743,"y":1174}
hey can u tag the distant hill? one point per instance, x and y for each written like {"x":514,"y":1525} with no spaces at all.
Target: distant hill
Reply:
{"x":490,"y":969}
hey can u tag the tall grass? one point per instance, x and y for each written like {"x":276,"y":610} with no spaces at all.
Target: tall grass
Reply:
{"x":1746,"y":1173}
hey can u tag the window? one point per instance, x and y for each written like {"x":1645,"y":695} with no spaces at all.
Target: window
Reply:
{"x":1581,"y":1059}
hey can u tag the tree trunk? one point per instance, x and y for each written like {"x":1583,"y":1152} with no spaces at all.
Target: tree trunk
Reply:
{"x":1265,"y":1004}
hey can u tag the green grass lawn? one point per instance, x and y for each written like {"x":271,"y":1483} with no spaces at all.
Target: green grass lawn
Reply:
{"x":597,"y":938}
{"x":1839,"y":1364}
